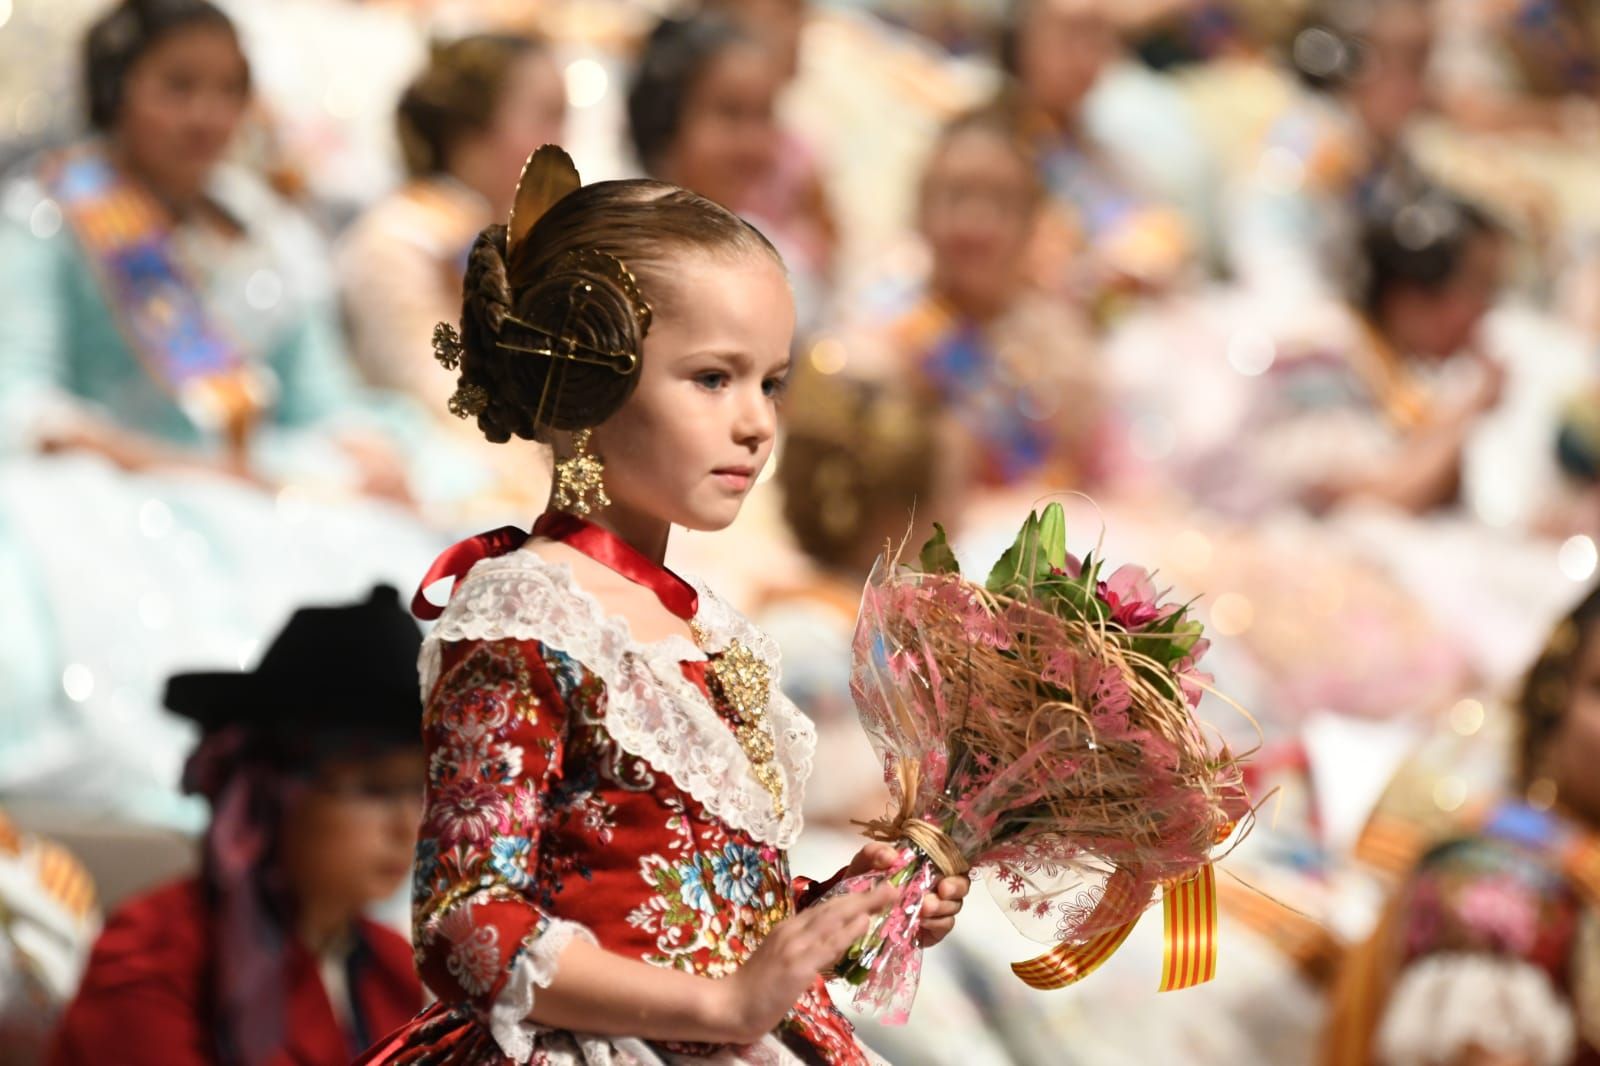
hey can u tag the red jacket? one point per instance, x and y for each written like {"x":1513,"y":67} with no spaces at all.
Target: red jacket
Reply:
{"x":146,"y":998}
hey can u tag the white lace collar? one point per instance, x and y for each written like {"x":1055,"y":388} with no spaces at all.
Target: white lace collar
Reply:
{"x":653,"y":712}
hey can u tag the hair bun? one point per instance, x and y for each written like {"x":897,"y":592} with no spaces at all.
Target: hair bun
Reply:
{"x":564,"y":355}
{"x":573,"y":346}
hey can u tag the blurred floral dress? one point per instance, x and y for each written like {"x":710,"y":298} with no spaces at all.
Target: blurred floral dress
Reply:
{"x":585,"y":786}
{"x":1494,"y":942}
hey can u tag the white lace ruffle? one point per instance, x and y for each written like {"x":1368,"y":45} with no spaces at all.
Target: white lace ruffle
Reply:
{"x":653,"y":712}
{"x":1444,"y":1004}
{"x":535,"y":967}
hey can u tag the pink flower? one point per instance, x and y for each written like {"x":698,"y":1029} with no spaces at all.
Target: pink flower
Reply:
{"x":1060,"y":668}
{"x":469,"y":811}
{"x":1073,"y":569}
{"x":903,"y":664}
{"x":525,"y":804}
{"x":1131,"y":596}
{"x":1109,"y":693}
{"x":1192,"y":681}
{"x":981,"y":627}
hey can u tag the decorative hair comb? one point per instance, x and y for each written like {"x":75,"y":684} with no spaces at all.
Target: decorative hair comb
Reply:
{"x":547,"y":177}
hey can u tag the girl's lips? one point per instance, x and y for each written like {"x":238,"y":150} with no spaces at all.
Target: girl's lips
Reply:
{"x":737,"y":478}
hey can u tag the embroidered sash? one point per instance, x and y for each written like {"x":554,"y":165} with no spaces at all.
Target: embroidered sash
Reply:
{"x":127,"y":237}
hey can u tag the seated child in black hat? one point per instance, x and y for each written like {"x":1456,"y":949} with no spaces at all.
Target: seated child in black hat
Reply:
{"x":313,"y":768}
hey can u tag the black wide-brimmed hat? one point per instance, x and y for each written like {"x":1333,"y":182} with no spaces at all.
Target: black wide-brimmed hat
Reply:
{"x":332,"y":671}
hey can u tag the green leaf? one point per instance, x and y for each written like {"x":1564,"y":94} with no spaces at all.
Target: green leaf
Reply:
{"x":1186,"y":633}
{"x":936,"y":556}
{"x":1053,"y":535}
{"x":1070,"y":597}
{"x":1017,"y":564}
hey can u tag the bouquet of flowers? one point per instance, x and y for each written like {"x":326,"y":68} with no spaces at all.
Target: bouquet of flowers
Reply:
{"x":1039,"y":729}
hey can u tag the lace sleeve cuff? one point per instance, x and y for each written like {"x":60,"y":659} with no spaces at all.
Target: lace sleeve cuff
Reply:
{"x":533,"y":967}
{"x":1445,"y":1004}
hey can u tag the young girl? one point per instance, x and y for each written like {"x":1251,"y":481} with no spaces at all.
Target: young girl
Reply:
{"x":1486,"y":956}
{"x":1011,"y":367}
{"x":614,"y":772}
{"x":265,"y":954}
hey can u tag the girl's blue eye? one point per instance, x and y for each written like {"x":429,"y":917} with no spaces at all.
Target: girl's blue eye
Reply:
{"x":775,"y":387}
{"x":711,"y":379}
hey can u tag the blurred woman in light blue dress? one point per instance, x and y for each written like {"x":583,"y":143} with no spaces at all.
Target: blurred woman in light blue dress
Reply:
{"x":184,"y":452}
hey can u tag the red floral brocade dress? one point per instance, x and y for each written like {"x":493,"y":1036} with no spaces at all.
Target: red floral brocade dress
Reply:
{"x":582,"y":785}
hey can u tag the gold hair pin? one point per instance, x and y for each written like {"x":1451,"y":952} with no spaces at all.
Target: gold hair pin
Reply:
{"x":566,"y":346}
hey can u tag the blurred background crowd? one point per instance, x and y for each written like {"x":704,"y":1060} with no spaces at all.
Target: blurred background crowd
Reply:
{"x":1296,"y":301}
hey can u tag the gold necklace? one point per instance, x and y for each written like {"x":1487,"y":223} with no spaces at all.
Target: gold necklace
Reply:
{"x":745,"y":682}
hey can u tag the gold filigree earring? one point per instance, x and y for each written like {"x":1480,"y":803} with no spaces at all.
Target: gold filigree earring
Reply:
{"x":580,"y":479}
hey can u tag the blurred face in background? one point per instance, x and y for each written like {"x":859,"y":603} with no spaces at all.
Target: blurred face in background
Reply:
{"x":531,"y":111}
{"x":1391,"y":86}
{"x":1573,"y":750}
{"x":980,"y":200}
{"x":348,"y":842}
{"x":777,"y":24}
{"x":181,"y":104}
{"x":1442,"y":321}
{"x":1062,"y":46}
{"x":727,"y":135}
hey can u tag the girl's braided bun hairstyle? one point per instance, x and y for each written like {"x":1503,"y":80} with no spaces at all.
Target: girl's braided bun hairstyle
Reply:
{"x":556,"y":304}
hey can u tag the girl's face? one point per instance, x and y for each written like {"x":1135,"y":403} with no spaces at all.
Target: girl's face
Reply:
{"x":1062,"y":47}
{"x":978,"y":204}
{"x":532,"y":111}
{"x":181,"y":103}
{"x":1574,"y":748}
{"x":727,"y":136}
{"x":348,"y":842}
{"x":688,"y":445}
{"x":778,"y":24}
{"x":1392,"y":87}
{"x":1443,"y":322}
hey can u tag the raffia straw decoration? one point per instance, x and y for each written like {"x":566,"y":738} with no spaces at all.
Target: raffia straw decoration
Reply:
{"x":1148,"y":795}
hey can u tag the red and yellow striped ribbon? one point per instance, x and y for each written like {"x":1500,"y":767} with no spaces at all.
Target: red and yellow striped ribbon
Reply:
{"x":1190,"y":933}
{"x":1067,"y":964}
{"x":1190,"y":922}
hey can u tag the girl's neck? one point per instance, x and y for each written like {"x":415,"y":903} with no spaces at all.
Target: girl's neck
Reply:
{"x":645,"y":533}
{"x":324,"y":930}
{"x":980,"y":308}
{"x":182,"y":202}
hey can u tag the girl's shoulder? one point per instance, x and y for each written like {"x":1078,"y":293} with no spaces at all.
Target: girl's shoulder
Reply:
{"x":523,"y":596}
{"x":652,"y":709}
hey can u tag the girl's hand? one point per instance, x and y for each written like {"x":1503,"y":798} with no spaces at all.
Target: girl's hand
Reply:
{"x":939,"y":907}
{"x":750,"y":1004}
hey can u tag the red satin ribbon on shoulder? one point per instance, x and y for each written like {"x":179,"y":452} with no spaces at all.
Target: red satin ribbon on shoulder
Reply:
{"x":456,"y":560}
{"x":601,"y":545}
